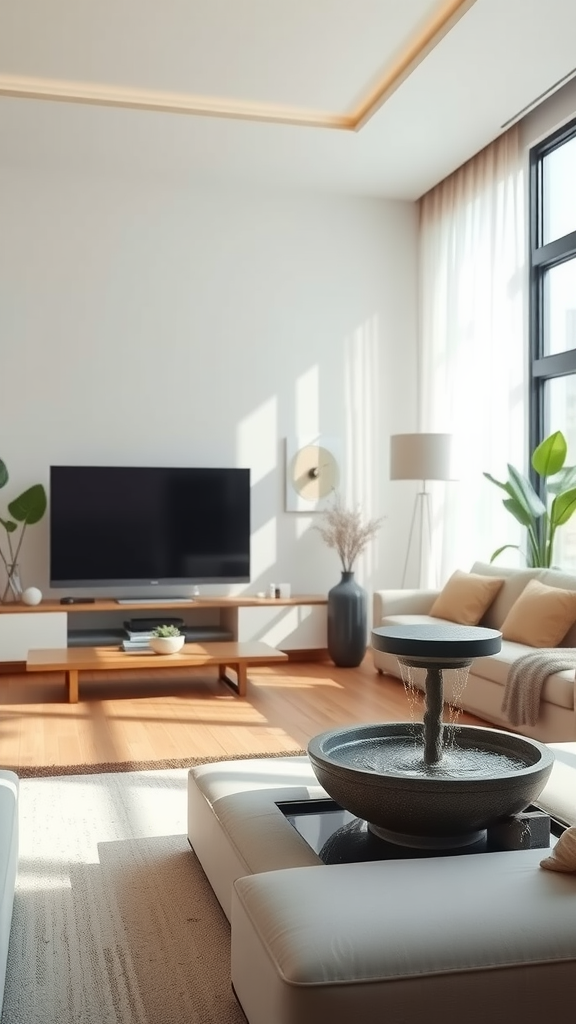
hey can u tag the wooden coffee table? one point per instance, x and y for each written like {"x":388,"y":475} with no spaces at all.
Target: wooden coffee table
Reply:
{"x":73,"y":660}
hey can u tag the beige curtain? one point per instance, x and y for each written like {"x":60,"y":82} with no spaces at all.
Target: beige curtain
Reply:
{"x":473,"y":349}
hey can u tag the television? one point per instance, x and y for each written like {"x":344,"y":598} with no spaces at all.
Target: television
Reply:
{"x":134,"y":526}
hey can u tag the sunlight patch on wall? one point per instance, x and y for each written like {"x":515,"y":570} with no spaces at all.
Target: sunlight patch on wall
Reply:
{"x":264,"y":549}
{"x":257,"y":440}
{"x":307,"y":404}
{"x":365,"y":448}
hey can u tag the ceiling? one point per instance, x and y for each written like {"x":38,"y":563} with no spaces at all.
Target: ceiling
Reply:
{"x":370,"y":97}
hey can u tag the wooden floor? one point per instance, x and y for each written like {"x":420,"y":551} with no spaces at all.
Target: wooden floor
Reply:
{"x":179,"y":714}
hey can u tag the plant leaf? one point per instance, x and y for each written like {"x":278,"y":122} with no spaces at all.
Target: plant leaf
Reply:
{"x":499,"y":483}
{"x":550,"y":455}
{"x":8,"y":525}
{"x":522,"y":490}
{"x":563,"y":507}
{"x":30,"y":506}
{"x":563,"y":481}
{"x":503,"y":548}
{"x":3,"y":474}
{"x":518,"y":511}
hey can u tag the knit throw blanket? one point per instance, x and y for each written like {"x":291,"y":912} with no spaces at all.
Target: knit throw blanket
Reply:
{"x":526,"y":678}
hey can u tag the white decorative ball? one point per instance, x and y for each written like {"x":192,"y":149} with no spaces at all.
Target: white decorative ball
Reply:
{"x":32,"y":596}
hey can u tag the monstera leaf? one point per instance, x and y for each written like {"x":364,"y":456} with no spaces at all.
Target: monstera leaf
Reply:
{"x":30,"y":506}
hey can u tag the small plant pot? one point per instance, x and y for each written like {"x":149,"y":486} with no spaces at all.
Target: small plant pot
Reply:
{"x":167,"y":644}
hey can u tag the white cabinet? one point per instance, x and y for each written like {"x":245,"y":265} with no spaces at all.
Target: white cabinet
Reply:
{"x":286,"y":627}
{"x":20,"y":632}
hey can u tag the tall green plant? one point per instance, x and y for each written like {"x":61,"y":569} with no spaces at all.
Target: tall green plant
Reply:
{"x":25,"y":510}
{"x":540,"y":517}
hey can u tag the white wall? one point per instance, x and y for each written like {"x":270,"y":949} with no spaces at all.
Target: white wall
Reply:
{"x":152,"y":322}
{"x":550,"y":115}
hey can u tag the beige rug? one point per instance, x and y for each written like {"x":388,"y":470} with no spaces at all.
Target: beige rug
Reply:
{"x":114,"y":921}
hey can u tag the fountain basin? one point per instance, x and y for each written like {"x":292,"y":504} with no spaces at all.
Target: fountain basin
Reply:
{"x":377,"y":772}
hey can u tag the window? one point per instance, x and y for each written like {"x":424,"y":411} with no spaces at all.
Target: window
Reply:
{"x":553,"y":303}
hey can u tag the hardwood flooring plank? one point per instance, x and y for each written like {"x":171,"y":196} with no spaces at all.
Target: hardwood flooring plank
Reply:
{"x":185,"y":714}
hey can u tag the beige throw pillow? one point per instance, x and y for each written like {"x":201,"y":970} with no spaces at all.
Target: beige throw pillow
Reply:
{"x":465,"y":597}
{"x":541,"y":616}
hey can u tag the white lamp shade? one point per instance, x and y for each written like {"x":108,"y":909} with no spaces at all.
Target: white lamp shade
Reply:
{"x":421,"y":457}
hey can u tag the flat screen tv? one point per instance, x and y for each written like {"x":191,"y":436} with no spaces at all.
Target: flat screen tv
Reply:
{"x":132,"y":526}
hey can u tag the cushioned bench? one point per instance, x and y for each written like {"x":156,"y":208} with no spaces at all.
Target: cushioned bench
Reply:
{"x":381,"y":939}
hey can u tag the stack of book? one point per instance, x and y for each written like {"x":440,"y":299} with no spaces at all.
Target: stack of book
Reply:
{"x":139,"y":631}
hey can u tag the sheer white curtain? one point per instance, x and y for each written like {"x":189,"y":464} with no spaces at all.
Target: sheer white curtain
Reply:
{"x":473,"y":350}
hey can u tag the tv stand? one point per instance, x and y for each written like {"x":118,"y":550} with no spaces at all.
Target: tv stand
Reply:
{"x":294,"y":624}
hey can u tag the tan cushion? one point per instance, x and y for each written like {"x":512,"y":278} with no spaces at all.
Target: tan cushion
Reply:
{"x":514,"y":582}
{"x":540,"y":616}
{"x":466,"y":597}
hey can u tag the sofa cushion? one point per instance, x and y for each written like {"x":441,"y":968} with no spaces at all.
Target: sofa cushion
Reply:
{"x":514,"y":582}
{"x":556,"y":578}
{"x":541,"y":616}
{"x":466,"y":597}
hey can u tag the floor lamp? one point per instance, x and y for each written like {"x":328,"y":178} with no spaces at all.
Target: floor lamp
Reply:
{"x":420,"y":457}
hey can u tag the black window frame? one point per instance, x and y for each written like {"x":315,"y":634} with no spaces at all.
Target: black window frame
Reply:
{"x":544,"y":256}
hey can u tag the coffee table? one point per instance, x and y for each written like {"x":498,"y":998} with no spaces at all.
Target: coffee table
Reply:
{"x":73,"y":660}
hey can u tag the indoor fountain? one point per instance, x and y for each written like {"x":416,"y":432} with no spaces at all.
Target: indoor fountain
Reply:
{"x":422,"y":785}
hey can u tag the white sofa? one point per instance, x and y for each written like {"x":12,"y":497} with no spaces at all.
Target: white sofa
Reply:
{"x":484,"y":690}
{"x":9,"y":784}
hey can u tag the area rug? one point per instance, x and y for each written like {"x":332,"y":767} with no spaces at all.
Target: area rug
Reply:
{"x":43,"y":771}
{"x":114,"y":921}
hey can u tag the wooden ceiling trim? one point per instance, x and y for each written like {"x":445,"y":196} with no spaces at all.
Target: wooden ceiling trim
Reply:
{"x":416,"y":50}
{"x":97,"y":94}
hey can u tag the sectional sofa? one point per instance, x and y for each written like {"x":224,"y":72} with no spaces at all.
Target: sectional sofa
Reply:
{"x":484,"y":691}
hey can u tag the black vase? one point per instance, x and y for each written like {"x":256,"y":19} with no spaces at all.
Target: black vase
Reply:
{"x":347,"y":622}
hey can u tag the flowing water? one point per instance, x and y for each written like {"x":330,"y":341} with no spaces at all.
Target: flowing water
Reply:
{"x":404,"y":754}
{"x":416,"y":697}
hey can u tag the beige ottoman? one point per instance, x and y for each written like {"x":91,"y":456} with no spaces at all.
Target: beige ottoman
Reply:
{"x":450,"y":939}
{"x":447,"y":939}
{"x":234,"y":824}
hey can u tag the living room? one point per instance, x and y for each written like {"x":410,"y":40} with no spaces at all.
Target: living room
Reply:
{"x":194,"y":285}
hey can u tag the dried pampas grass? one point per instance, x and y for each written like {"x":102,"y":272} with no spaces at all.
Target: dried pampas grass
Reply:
{"x":343,"y":530}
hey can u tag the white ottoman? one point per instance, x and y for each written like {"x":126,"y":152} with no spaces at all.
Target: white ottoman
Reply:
{"x":234,"y":824}
{"x":443,"y":939}
{"x":461,"y":937}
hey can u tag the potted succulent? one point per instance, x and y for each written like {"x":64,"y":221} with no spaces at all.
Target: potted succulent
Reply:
{"x":166,"y":640}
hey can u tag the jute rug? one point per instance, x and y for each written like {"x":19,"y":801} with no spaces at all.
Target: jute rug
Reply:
{"x":114,"y":921}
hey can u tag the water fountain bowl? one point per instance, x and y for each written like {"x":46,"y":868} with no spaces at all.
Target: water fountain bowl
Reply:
{"x":438,"y":806}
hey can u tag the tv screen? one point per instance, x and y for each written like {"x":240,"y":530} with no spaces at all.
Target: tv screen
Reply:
{"x":115,"y":525}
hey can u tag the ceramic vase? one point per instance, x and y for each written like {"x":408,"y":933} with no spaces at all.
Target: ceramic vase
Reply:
{"x":347,"y":622}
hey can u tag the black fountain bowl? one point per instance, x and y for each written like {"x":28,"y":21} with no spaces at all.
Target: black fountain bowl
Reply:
{"x":431,"y":805}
